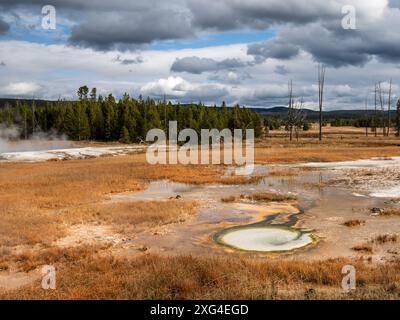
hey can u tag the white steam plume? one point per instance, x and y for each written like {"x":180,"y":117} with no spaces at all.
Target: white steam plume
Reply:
{"x":10,"y":140}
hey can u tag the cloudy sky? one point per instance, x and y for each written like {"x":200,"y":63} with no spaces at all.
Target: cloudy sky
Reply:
{"x":200,"y":50}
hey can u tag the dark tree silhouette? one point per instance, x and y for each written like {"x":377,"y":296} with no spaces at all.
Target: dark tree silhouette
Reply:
{"x":126,"y":120}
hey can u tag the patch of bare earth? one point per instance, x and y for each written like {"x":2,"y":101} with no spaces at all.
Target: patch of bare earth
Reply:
{"x":368,"y":179}
{"x":10,"y":280}
{"x":88,"y":234}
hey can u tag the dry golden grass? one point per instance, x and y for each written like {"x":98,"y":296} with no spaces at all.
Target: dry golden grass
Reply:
{"x":146,"y":214}
{"x":124,"y":218}
{"x":321,"y":153}
{"x":229,"y":199}
{"x":140,"y":216}
{"x":385,"y":238}
{"x":261,"y":197}
{"x":271,"y":197}
{"x":81,"y":275}
{"x":354,"y":223}
{"x":336,"y":135}
{"x":363,"y":248}
{"x":4,"y":258}
{"x":315,"y":185}
{"x":339,"y":144}
{"x":32,"y":259}
{"x":283,"y":173}
{"x":390,"y":212}
{"x":38,"y":200}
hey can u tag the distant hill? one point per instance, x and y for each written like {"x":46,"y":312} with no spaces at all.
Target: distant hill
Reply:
{"x":279,"y":110}
{"x":4,"y":102}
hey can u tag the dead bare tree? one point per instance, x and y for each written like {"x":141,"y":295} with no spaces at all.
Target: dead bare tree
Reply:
{"x":389,"y":106}
{"x":381,"y":98}
{"x":299,"y":117}
{"x":366,"y":116}
{"x":165,"y":111}
{"x":321,"y":84}
{"x":289,"y":122}
{"x":295,"y":115}
{"x":376,"y":111}
{"x":398,"y":119}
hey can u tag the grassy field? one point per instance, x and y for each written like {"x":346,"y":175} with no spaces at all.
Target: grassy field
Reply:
{"x":339,"y":144}
{"x":41,"y":202}
{"x":84,"y":274}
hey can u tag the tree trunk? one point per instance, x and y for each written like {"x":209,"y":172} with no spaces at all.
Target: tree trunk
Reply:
{"x":366,"y":121}
{"x":398,"y":119}
{"x":389,"y":105}
{"x":321,"y":83}
{"x":375,"y":114}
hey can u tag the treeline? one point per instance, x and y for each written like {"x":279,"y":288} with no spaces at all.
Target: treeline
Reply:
{"x":369,"y":122}
{"x":278,"y":122}
{"x":126,"y":120}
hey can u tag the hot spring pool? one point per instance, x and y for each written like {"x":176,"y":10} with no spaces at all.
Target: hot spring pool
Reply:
{"x":265,"y":239}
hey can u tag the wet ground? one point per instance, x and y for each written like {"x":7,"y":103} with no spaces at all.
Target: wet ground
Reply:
{"x":64,"y":151}
{"x":321,"y":208}
{"x":327,"y":195}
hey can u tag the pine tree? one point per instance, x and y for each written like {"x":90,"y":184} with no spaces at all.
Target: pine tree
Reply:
{"x":212,"y":117}
{"x":83,"y":129}
{"x":224,"y":116}
{"x":97,"y":122}
{"x":153,"y":117}
{"x":125,"y":138}
{"x":93,"y":95}
{"x":129,"y":119}
{"x":82,"y":93}
{"x":77,"y":123}
{"x":257,"y":125}
{"x":108,"y":126}
{"x":68,"y":125}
